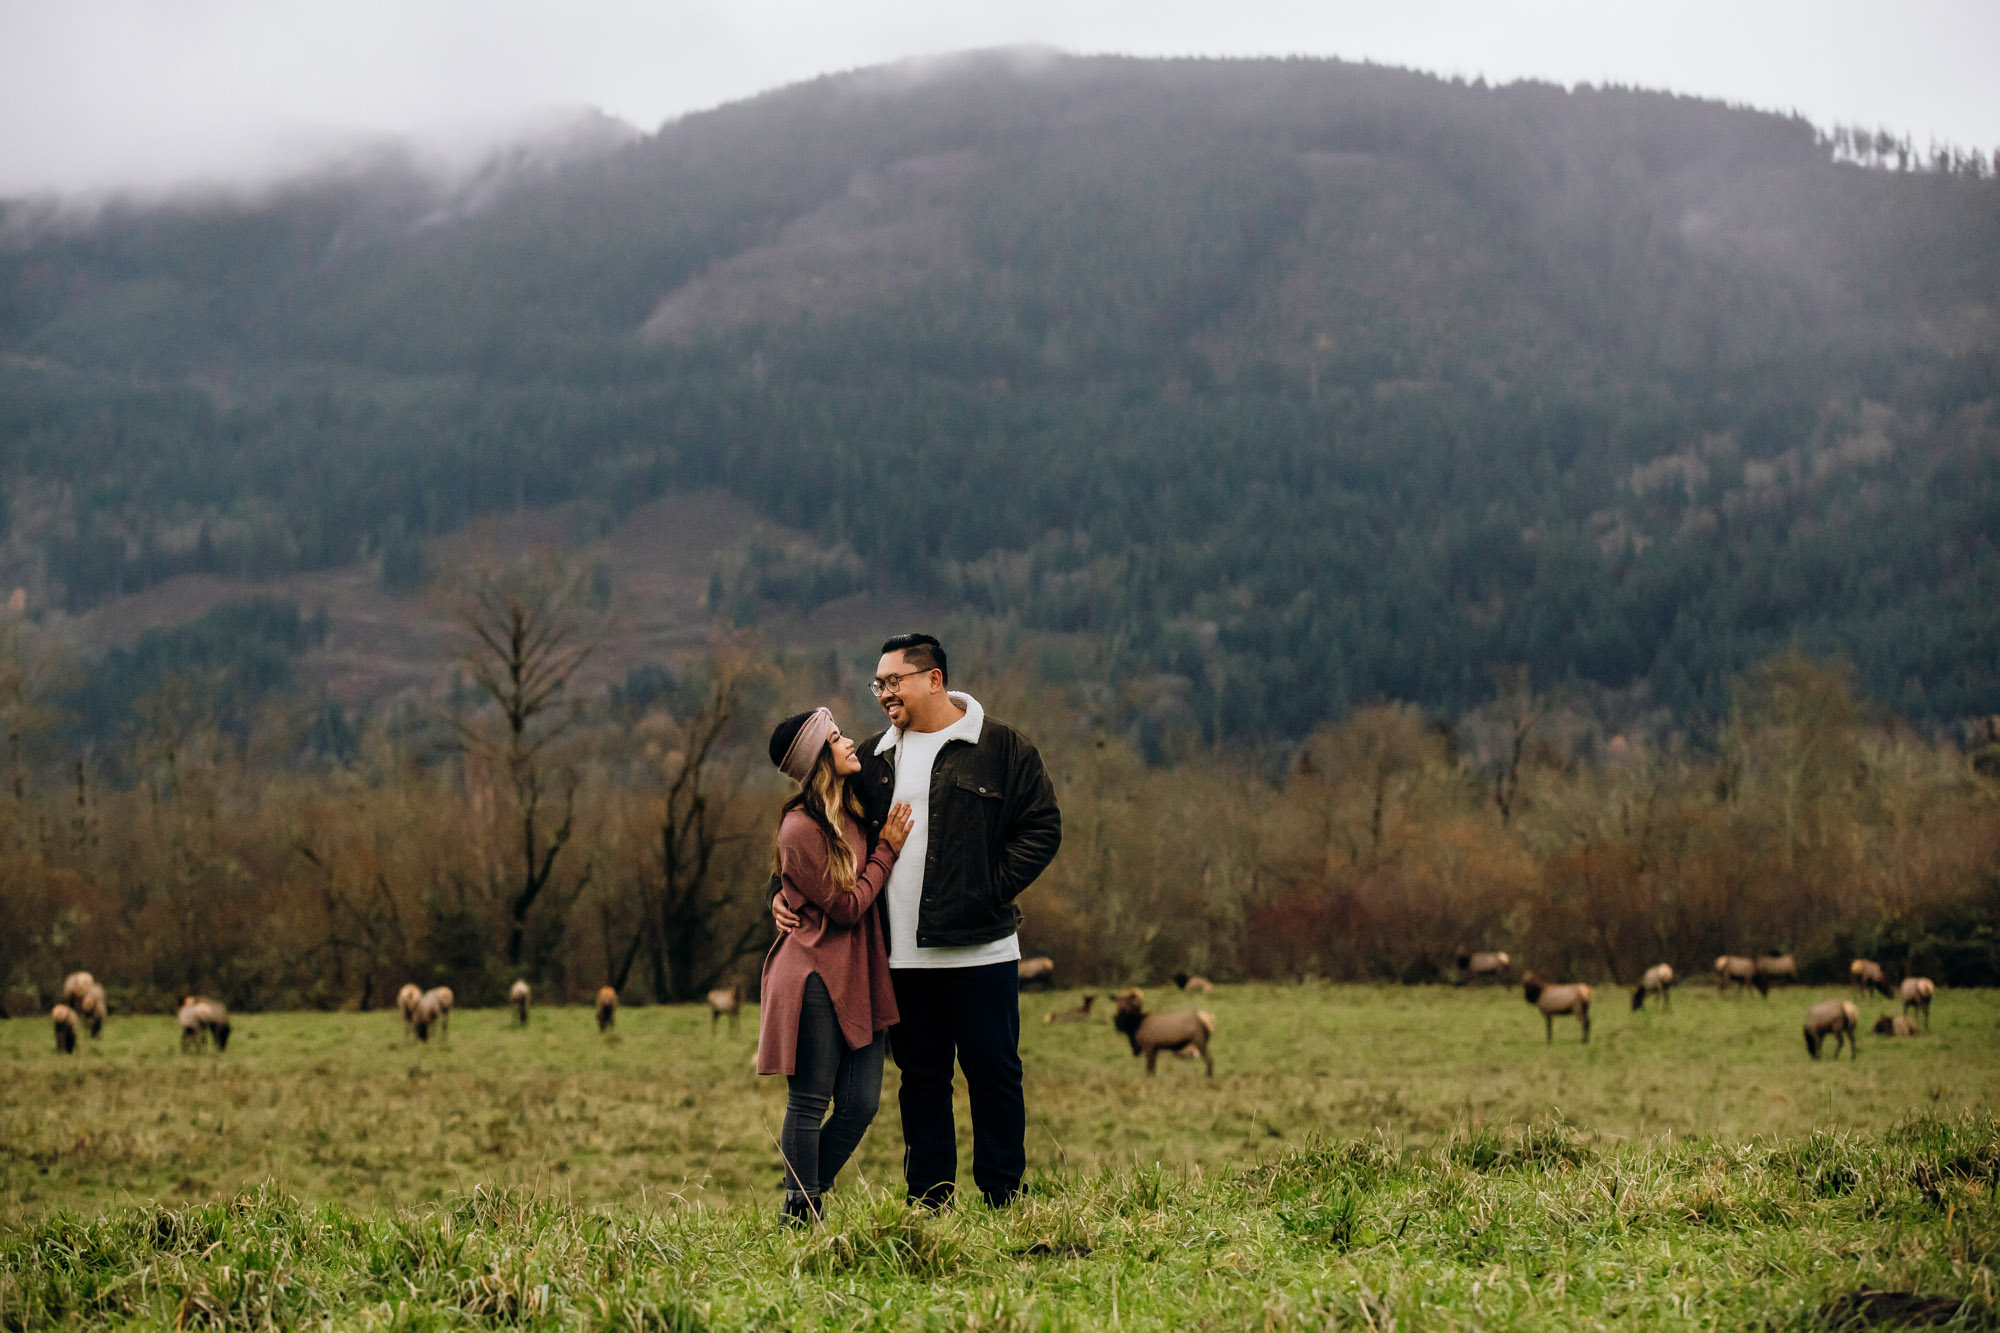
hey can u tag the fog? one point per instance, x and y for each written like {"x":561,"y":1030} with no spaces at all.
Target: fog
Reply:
{"x":135,"y":94}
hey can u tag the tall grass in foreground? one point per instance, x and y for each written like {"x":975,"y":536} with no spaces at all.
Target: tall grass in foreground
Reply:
{"x":1523,"y":1228}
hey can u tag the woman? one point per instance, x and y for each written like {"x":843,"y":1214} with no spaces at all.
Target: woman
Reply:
{"x":826,"y":1003}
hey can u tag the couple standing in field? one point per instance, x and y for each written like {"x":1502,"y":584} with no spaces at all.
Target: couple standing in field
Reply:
{"x":898,"y":862}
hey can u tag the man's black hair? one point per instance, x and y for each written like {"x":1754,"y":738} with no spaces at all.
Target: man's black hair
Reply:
{"x":921,"y":651}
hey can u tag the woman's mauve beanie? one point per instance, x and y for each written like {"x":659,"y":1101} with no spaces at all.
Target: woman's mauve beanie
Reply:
{"x":783,"y":736}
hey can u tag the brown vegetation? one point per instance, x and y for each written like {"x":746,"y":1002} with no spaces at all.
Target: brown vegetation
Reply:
{"x":1376,"y":855}
{"x":1185,"y":1035}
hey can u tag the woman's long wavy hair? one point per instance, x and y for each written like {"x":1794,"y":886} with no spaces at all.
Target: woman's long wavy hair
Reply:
{"x":822,"y":794}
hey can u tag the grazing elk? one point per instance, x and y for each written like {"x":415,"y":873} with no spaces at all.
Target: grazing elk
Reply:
{"x":1735,"y":970}
{"x":65,"y":1020}
{"x":1836,"y":1017}
{"x":433,"y":1011}
{"x":1185,"y":1035}
{"x":1775,"y":969}
{"x":1916,"y":993}
{"x":518,"y":996}
{"x":1198,"y":985}
{"x":1866,"y":975}
{"x":1080,"y":1014}
{"x":93,"y":1009}
{"x":1886,"y":1026}
{"x":1571,"y":998}
{"x":1483,"y":966}
{"x":1658,"y":982}
{"x":201,"y":1021}
{"x":75,"y":986}
{"x":607,"y":1008}
{"x":1036,"y":972}
{"x":187,"y":1013}
{"x":407,"y":1000}
{"x":722,"y":1002}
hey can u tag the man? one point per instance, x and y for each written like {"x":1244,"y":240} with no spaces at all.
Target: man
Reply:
{"x":986,"y":824}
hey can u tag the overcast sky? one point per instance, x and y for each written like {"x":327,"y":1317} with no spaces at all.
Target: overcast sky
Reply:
{"x":147,"y":93}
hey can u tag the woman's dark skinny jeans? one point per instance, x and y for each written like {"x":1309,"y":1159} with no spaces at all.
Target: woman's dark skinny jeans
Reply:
{"x":826,"y":1069}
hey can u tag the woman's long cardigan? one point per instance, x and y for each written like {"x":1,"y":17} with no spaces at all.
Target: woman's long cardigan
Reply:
{"x":841,"y":936}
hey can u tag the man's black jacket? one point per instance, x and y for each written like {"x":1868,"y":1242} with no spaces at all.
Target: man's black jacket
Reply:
{"x":994,"y":827}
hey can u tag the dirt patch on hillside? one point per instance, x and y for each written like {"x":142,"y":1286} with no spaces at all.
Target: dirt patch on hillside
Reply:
{"x":380,"y":646}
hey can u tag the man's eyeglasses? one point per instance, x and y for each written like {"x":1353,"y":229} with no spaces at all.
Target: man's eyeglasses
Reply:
{"x":881,"y":685}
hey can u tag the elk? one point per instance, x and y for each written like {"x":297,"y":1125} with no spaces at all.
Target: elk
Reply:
{"x":518,"y":996}
{"x":407,"y":1000}
{"x":1775,"y":969}
{"x":722,"y":1002}
{"x":1198,"y":985}
{"x":1080,"y":1014}
{"x":187,"y":1013}
{"x":434,"y":1011}
{"x":1657,"y":982}
{"x":1483,"y":966}
{"x":1571,"y":998}
{"x":1866,"y":975}
{"x":1734,"y":969}
{"x":1916,"y":993}
{"x":75,"y":986}
{"x":200,"y":1022}
{"x":65,"y":1020}
{"x":1886,"y":1026}
{"x":93,"y":1009}
{"x":607,"y":1009}
{"x":1838,"y":1017}
{"x":1036,"y":972}
{"x":1186,"y":1034}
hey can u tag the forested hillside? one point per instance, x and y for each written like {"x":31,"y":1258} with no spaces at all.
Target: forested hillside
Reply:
{"x":1294,"y":384}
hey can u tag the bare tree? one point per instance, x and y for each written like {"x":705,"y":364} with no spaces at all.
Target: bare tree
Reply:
{"x":529,"y":633}
{"x":1523,"y":711}
{"x":694,"y":920}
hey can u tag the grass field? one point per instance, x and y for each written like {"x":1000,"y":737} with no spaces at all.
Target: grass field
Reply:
{"x":1364,"y":1155}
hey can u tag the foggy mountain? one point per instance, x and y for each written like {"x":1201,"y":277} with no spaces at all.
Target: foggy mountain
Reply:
{"x":1287,"y":384}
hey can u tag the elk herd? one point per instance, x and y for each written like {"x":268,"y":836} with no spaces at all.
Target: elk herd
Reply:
{"x":1839,"y":1019}
{"x":1184,"y":1034}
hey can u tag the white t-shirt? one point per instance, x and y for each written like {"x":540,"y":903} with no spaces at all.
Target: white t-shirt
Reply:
{"x":919,"y":752}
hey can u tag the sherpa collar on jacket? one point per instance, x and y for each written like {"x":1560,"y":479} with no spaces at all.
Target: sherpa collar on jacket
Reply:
{"x":967,"y":728}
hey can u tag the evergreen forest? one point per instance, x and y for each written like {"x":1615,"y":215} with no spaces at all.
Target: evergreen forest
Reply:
{"x":1295,"y":385}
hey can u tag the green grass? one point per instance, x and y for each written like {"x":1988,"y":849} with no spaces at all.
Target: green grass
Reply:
{"x":1363,"y":1156}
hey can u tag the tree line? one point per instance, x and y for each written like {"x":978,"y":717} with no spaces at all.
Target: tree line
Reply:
{"x":526,"y":827}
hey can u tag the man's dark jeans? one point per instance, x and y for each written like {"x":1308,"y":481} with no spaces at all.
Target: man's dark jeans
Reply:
{"x":975,"y":1013}
{"x":825,"y":1069}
